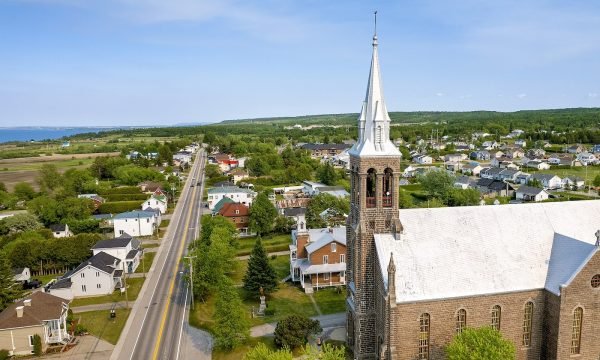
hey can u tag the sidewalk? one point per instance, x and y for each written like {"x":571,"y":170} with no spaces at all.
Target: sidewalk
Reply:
{"x":328,"y":323}
{"x":98,"y":307}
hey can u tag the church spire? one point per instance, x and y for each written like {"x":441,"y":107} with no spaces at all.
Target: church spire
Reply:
{"x":374,"y":121}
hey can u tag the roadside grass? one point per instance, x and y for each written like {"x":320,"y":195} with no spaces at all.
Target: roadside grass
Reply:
{"x":331,"y":300}
{"x":134,"y":285}
{"x":151,"y":245}
{"x":145,"y":263}
{"x":99,"y":323}
{"x":272,"y":243}
{"x":240,"y":351}
{"x":164,"y":223}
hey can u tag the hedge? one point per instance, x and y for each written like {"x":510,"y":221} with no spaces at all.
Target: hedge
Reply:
{"x":120,"y":190}
{"x":126,"y":197}
{"x":117,"y":207}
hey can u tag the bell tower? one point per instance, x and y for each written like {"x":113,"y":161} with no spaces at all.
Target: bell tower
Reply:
{"x":375,"y":175}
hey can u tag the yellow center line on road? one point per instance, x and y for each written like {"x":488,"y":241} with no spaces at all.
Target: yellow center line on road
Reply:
{"x":172,"y":286}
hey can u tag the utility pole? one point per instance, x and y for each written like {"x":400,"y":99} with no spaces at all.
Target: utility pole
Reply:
{"x":125,"y":286}
{"x":191,"y":277}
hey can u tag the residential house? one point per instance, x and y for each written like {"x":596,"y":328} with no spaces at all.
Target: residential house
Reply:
{"x":575,"y":149}
{"x":521,"y":142}
{"x":342,"y":160}
{"x":490,"y":173}
{"x":528,"y":193}
{"x":463,"y":147}
{"x":183,"y":157}
{"x":238,"y":214}
{"x":535,"y":153}
{"x":508,"y":175}
{"x":39,"y":314}
{"x":502,"y":162}
{"x":150,"y":186}
{"x":137,"y":222}
{"x":156,"y":202}
{"x":512,"y":152}
{"x":471,"y":168}
{"x":560,"y":159}
{"x":106,"y":220}
{"x":21,"y":275}
{"x":225,"y":162}
{"x":453,"y":166}
{"x":219,"y":205}
{"x":125,"y":248}
{"x":596,"y":149}
{"x":99,"y":275}
{"x":455,"y":158}
{"x":538,"y":164}
{"x":60,"y":230}
{"x":238,"y":175}
{"x":463,"y":182}
{"x":548,"y":181}
{"x":573,"y":182}
{"x":318,"y":256}
{"x":337,"y":191}
{"x":496,"y":154}
{"x":325,"y":150}
{"x":423,"y":159}
{"x":409,"y":171}
{"x":97,"y":200}
{"x":493,"y":188}
{"x":522,"y":178}
{"x":586,"y":158}
{"x":480,"y":134}
{"x":490,"y":145}
{"x":482,"y":155}
{"x":237,"y":194}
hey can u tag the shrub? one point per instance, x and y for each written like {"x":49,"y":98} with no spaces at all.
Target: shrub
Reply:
{"x":119,"y":207}
{"x":37,"y":345}
{"x":4,"y":354}
{"x":80,"y":330}
{"x":294,"y":330}
{"x":126,"y":197}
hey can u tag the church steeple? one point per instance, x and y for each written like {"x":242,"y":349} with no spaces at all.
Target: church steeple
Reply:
{"x":374,"y":121}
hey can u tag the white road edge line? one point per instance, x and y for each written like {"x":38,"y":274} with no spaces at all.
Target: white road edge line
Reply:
{"x":154,"y":291}
{"x":187,"y":288}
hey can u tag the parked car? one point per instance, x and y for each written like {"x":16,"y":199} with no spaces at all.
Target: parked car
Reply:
{"x":32,"y":284}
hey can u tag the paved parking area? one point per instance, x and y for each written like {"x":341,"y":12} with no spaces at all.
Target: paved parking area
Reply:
{"x":88,"y":348}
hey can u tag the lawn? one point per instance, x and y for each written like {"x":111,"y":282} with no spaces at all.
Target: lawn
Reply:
{"x":272,"y":243}
{"x":145,"y":263}
{"x":100,"y":324}
{"x":46,"y":278}
{"x":134,"y":286}
{"x":331,"y":300}
{"x":150,"y":245}
{"x":240,"y":351}
{"x":281,"y":264}
{"x":562,"y":172}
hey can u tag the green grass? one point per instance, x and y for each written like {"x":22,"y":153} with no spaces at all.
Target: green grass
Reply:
{"x":286,"y":300}
{"x":145,"y":263}
{"x":330,"y":301}
{"x":100,"y":324}
{"x":60,"y":164}
{"x":272,"y":243}
{"x":281,"y":264}
{"x":133,"y":289}
{"x":151,"y":245}
{"x":562,"y":172}
{"x":164,"y":223}
{"x":240,"y":351}
{"x":46,"y":278}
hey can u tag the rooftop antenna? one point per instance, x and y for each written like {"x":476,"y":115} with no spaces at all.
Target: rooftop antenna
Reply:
{"x":375,"y":32}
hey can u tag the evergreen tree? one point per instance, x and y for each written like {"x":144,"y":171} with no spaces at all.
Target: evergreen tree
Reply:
{"x":260,"y":273}
{"x":262,"y":215}
{"x":8,"y":292}
{"x":232,"y":326}
{"x":37,"y":345}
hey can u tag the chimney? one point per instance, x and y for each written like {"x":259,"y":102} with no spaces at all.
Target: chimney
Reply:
{"x":20,"y":311}
{"x":331,"y":230}
{"x":27,"y":302}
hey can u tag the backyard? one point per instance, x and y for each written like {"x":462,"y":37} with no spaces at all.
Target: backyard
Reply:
{"x":100,"y":324}
{"x":272,"y":243}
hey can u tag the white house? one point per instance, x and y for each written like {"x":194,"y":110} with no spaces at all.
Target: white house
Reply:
{"x":60,"y":230}
{"x":521,"y":143}
{"x":158,"y":202}
{"x":489,"y":145}
{"x":137,"y":223}
{"x":183,"y":156}
{"x":240,"y":195}
{"x":99,"y":275}
{"x":21,"y":275}
{"x":409,"y":171}
{"x":586,"y":158}
{"x":423,"y":159}
{"x":528,"y":193}
{"x":471,"y":169}
{"x":537,"y":164}
{"x":455,"y":157}
{"x":572,"y":181}
{"x":238,"y":174}
{"x":125,"y":248}
{"x":548,"y":181}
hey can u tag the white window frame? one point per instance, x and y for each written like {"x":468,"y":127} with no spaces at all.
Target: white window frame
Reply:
{"x":30,"y":337}
{"x":333,"y":247}
{"x":342,"y":258}
{"x":325,"y":259}
{"x":83,"y":288}
{"x":326,"y":276}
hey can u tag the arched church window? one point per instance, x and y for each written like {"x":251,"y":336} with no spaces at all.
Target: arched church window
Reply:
{"x":496,"y":315}
{"x":527,"y":321}
{"x":371,"y":187}
{"x":576,"y":331}
{"x":461,"y":320}
{"x":424,"y":322}
{"x":388,"y":187}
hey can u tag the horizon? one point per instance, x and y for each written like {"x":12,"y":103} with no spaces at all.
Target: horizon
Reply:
{"x":151,"y":63}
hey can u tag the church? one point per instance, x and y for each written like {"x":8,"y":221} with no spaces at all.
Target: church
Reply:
{"x":417,"y":277}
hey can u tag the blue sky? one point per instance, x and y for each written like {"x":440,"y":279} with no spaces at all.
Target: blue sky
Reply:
{"x":157,"y":62}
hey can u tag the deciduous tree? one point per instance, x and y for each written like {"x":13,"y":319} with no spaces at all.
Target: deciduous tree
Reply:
{"x":483,"y":343}
{"x":294,"y":330}
{"x":232,"y":325}
{"x":262,"y":215}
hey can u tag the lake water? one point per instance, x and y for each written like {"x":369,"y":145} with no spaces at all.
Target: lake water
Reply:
{"x":27,"y":134}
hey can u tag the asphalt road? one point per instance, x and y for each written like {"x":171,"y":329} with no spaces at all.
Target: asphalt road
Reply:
{"x":154,"y":328}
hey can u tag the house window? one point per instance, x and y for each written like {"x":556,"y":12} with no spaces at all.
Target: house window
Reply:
{"x":325,"y":259}
{"x":147,"y":220}
{"x":83,"y":288}
{"x":496,"y":313}
{"x":576,"y":331}
{"x":333,"y":247}
{"x":237,"y":212}
{"x":424,"y":336}
{"x":98,"y":286}
{"x":30,"y":340}
{"x":97,"y":273}
{"x":527,"y":320}
{"x":596,"y":281}
{"x":121,"y":231}
{"x":82,"y":275}
{"x":461,"y":320}
{"x":326,"y":276}
{"x":342,"y":258}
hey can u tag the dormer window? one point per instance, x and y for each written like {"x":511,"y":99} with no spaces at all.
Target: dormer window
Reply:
{"x":237,"y":212}
{"x":333,"y":247}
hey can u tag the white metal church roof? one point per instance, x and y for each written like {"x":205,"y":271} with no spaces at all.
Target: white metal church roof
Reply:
{"x":475,"y":250}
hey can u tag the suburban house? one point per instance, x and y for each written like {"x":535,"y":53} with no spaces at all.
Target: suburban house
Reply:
{"x":522,"y":178}
{"x":513,"y":152}
{"x":21,"y":275}
{"x":150,"y":186}
{"x":97,"y":200}
{"x":183,"y":157}
{"x":575,"y":149}
{"x":490,"y":173}
{"x":570,"y":182}
{"x":536,"y":153}
{"x":463,"y":147}
{"x":490,"y":145}
{"x":39,"y":314}
{"x":455,"y":157}
{"x":596,"y":149}
{"x":493,"y":188}
{"x":480,"y":155}
{"x":508,"y":175}
{"x":528,"y":193}
{"x":125,"y":248}
{"x":561,"y":159}
{"x":496,"y":154}
{"x":409,"y":171}
{"x":538,"y":164}
{"x":325,"y":150}
{"x":318,"y":256}
{"x":156,"y":202}
{"x":423,"y":159}
{"x":548,"y":181}
{"x":238,"y":175}
{"x":137,"y":223}
{"x":521,"y":143}
{"x":60,"y":230}
{"x":238,"y":214}
{"x":463,"y":182}
{"x":586,"y":158}
{"x":502,"y":162}
{"x":225,"y":162}
{"x":453,"y":166}
{"x":99,"y":275}
{"x":240,"y":195}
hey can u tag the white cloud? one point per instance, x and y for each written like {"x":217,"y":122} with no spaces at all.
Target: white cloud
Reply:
{"x":522,"y":96}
